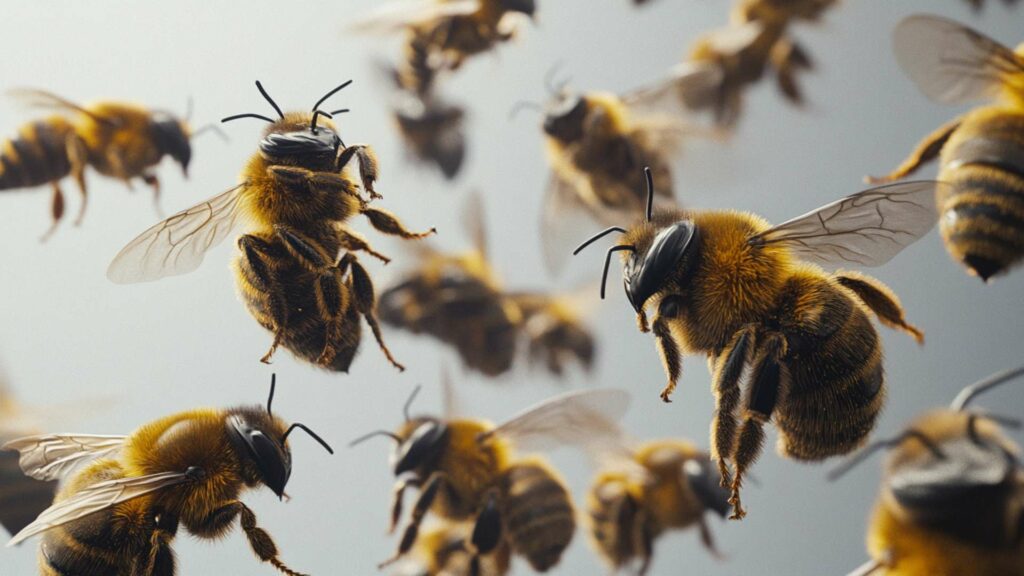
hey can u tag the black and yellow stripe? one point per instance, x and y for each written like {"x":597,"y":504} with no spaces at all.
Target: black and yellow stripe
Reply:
{"x":537,"y":513}
{"x":39,"y":154}
{"x":21,"y":498}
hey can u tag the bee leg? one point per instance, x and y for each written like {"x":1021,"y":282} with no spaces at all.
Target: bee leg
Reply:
{"x":707,"y":539}
{"x":487,"y":532}
{"x":764,"y":391}
{"x":255,"y":251}
{"x":926,"y":151}
{"x":362,"y":288}
{"x":353,"y":242}
{"x":158,"y":560}
{"x":881,"y":300}
{"x":727,"y":370}
{"x":56,"y":211}
{"x":261,"y":542}
{"x":423,"y":503}
{"x":368,"y":167}
{"x":668,"y":348}
{"x":787,"y":57}
{"x":386,"y":222}
{"x":404,"y":481}
{"x":643,"y":542}
{"x":641,"y":321}
{"x":152,"y":181}
{"x":77,"y":157}
{"x":312,"y":182}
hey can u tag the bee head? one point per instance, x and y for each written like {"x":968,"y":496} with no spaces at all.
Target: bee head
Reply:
{"x":173,"y":138}
{"x":564,"y":118}
{"x":262,"y":440}
{"x":528,"y":7}
{"x":418,"y":441}
{"x":298,"y":135}
{"x":657,"y":248}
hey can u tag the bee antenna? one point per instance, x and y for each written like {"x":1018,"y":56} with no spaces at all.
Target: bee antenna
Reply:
{"x":969,"y":393}
{"x":597,"y":237}
{"x":237,"y":116}
{"x":273,"y":387}
{"x":317,"y":114}
{"x":210,"y":128}
{"x":307,"y":431}
{"x":650,"y":191}
{"x":329,"y":94}
{"x":870,"y":449}
{"x":374,"y":434}
{"x":341,"y":111}
{"x":972,"y":424}
{"x":523,"y":105}
{"x":549,"y":79}
{"x":269,"y":99}
{"x":408,"y":402}
{"x":608,"y":261}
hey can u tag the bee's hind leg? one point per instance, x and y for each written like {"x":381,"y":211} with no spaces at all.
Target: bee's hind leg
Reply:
{"x":881,"y":300}
{"x":254,"y":250}
{"x":365,"y":301}
{"x":487,"y":532}
{"x":926,"y":151}
{"x":56,"y":211}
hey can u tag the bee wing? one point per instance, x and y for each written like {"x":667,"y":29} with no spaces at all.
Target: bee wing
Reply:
{"x":396,"y":16}
{"x":952,"y":63}
{"x":52,"y":456}
{"x":689,"y":86}
{"x":99,"y":496}
{"x":587,"y":418}
{"x":569,"y":212}
{"x":867,"y":228}
{"x":36,"y":98}
{"x":177,"y":245}
{"x":21,"y":498}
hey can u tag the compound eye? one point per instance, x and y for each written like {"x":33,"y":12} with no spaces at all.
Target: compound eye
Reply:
{"x":645,"y":274}
{"x":424,"y":443}
{"x":271,"y":459}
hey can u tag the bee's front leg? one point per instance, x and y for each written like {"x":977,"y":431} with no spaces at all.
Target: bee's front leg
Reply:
{"x":725,"y":381}
{"x":426,"y":499}
{"x":154,"y":182}
{"x":668,"y":348}
{"x":368,"y":167}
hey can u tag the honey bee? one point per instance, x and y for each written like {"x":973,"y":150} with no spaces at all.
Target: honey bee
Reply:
{"x":978,"y":4}
{"x":295,"y":195}
{"x":120,"y":513}
{"x":466,"y":470}
{"x":951,"y":495}
{"x":441,"y":550}
{"x":431,"y":129}
{"x":980,"y":154}
{"x":459,"y":300}
{"x":21,"y":498}
{"x":644,"y":491}
{"x":751,"y":297}
{"x":117,"y":139}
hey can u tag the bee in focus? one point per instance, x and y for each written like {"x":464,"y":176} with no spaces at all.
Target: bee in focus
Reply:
{"x":459,"y":300}
{"x":120,"y":513}
{"x":643,"y":491}
{"x":951,"y":495}
{"x":981,"y":154}
{"x":295,"y":195}
{"x":442,"y":549}
{"x":117,"y":139}
{"x":469,"y":470}
{"x":750,"y":296}
{"x":21,"y":498}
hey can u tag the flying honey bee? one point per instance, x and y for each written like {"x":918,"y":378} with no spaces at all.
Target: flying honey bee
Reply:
{"x":117,"y":139}
{"x":980,"y":153}
{"x":120,"y":513}
{"x":295,"y":195}
{"x":642,"y":492}
{"x":21,"y":498}
{"x":442,"y":550}
{"x":471,"y":470}
{"x":459,"y":300}
{"x":431,"y":128}
{"x":749,"y":296}
{"x":951,"y":495}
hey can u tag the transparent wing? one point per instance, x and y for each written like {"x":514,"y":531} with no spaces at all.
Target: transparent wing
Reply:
{"x":587,"y":418}
{"x":177,"y":245}
{"x":396,"y":16}
{"x":567,"y":217}
{"x":98,"y":497}
{"x":952,"y":63}
{"x":52,"y":456}
{"x":867,"y":228}
{"x":689,"y":86}
{"x":36,"y":98}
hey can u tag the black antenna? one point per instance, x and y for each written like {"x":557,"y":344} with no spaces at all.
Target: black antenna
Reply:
{"x":237,"y":116}
{"x":341,"y":111}
{"x":374,"y":434}
{"x":608,"y":261}
{"x":650,"y":191}
{"x":210,"y":128}
{"x":269,"y":99}
{"x":408,"y":402}
{"x":597,"y":237}
{"x":870,"y":449}
{"x":270,"y":399}
{"x":317,"y":114}
{"x":329,"y":94}
{"x":969,"y":393}
{"x":308,"y":431}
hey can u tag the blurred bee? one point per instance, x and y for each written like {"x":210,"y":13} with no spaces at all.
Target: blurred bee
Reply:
{"x":467,"y":470}
{"x":120,"y":513}
{"x":442,"y":550}
{"x":296,"y":193}
{"x":21,"y":498}
{"x":459,"y":300}
{"x":977,"y":4}
{"x":644,"y":491}
{"x":749,"y":296}
{"x":981,"y":155}
{"x":120,"y":140}
{"x":952,"y":495}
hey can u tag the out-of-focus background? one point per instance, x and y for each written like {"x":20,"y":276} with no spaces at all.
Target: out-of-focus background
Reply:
{"x":68,"y":335}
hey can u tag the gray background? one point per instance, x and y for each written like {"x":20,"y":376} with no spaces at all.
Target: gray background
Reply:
{"x":68,"y":335}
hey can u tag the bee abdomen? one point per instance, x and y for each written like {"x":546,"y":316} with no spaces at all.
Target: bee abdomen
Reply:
{"x":983,"y":211}
{"x":538,"y":514}
{"x":37,"y":156}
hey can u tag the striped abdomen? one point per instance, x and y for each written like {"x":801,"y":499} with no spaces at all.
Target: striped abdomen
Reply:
{"x":37,"y":155}
{"x":613,"y":516}
{"x":982,"y":218}
{"x":537,"y":513}
{"x":832,"y":381}
{"x":21,"y":498}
